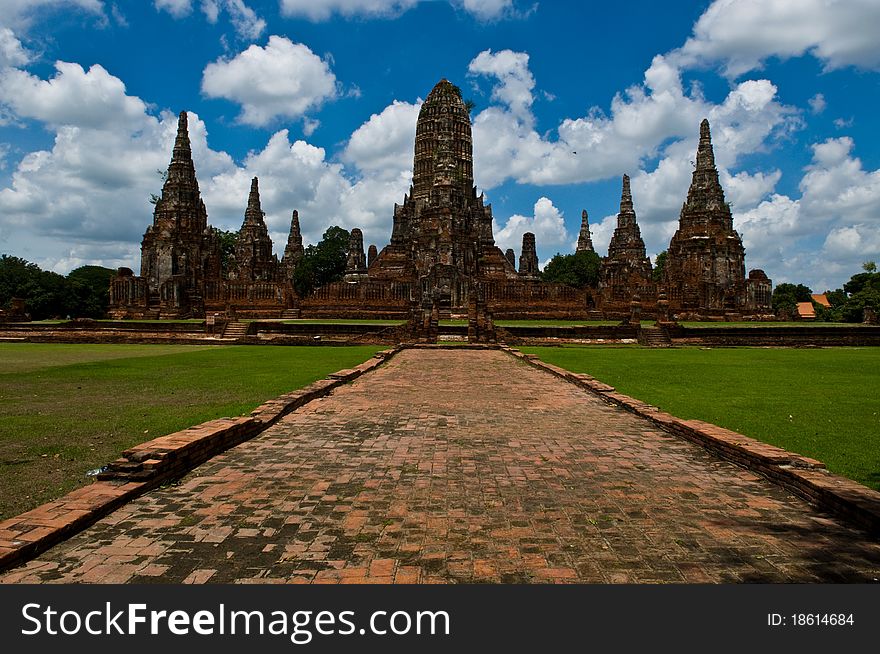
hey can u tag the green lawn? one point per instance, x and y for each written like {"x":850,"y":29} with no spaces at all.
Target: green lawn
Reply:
{"x":65,"y":409}
{"x":343,"y":321}
{"x":824,"y":403}
{"x":546,"y":323}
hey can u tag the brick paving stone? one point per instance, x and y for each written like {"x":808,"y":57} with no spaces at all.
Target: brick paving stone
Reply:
{"x":452,"y":466}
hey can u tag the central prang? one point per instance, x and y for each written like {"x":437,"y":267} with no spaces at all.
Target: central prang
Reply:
{"x":442,"y":233}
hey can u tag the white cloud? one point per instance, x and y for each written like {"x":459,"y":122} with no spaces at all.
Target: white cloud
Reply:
{"x":839,"y":198}
{"x":12,"y":53}
{"x":383,"y":146}
{"x":859,"y":242}
{"x":741,"y":34}
{"x":177,"y":8}
{"x":21,"y":13}
{"x":546,"y":223}
{"x":744,"y":191}
{"x":515,"y":80}
{"x":245,"y":21}
{"x":817,"y":103}
{"x":648,"y":120}
{"x":74,"y":97}
{"x":488,"y":9}
{"x":321,"y":10}
{"x":282,"y":79}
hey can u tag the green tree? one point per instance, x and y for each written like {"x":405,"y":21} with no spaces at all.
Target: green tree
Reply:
{"x":579,"y":269}
{"x":659,"y":265}
{"x":323,"y":263}
{"x":46,"y":294}
{"x":848,"y":304}
{"x":786,"y":296}
{"x":227,"y":239}
{"x":90,"y":286}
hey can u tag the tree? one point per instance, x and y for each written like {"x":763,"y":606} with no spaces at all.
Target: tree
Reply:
{"x":659,"y":265}
{"x":323,"y":263}
{"x":46,"y":293}
{"x":226,"y":239}
{"x":860,"y":292}
{"x":90,"y":286}
{"x":786,"y":296}
{"x":83,"y":293}
{"x":579,"y":269}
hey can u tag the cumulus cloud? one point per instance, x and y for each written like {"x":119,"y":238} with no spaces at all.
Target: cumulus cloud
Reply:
{"x":741,"y":34}
{"x":12,"y":53}
{"x":515,"y":80}
{"x":654,"y":119}
{"x":321,"y":10}
{"x":245,"y":21}
{"x":383,"y":146}
{"x":817,"y":103}
{"x":177,"y":8}
{"x":74,"y":97}
{"x":546,"y":223}
{"x":839,"y":198}
{"x":282,"y":79}
{"x":21,"y":13}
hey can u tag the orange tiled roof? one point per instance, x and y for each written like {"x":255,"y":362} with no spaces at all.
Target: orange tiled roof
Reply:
{"x":819,"y":298}
{"x":805,"y":310}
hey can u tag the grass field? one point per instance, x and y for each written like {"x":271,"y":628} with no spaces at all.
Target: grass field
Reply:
{"x":544,"y":323}
{"x":65,"y":409}
{"x":824,"y":403}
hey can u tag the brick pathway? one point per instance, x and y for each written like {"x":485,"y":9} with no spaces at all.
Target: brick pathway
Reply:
{"x":462,"y":466}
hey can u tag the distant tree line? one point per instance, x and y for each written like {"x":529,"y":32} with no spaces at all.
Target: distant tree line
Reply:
{"x":82,"y":293}
{"x":848,"y":304}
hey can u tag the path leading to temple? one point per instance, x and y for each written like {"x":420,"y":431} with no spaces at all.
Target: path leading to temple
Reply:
{"x":463,"y":466}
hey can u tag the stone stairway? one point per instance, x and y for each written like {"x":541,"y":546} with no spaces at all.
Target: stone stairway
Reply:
{"x":654,"y":337}
{"x":291,"y":314}
{"x":235,"y":330}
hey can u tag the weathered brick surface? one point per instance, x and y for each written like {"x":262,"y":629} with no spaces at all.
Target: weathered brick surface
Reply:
{"x":463,"y":466}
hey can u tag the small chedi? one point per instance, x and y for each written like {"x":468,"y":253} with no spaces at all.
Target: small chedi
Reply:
{"x":442,"y":259}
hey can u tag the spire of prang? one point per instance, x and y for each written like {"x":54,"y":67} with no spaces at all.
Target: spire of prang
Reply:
{"x":585,"y":241}
{"x":705,"y":153}
{"x":510,"y":255}
{"x":356,"y":261}
{"x":254,"y":213}
{"x":294,"y":251}
{"x":626,"y":203}
{"x":528,"y":258}
{"x":181,"y":171}
{"x":182,"y":149}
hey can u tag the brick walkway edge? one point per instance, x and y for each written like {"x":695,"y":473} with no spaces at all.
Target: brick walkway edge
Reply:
{"x":150,"y":464}
{"x":806,"y":477}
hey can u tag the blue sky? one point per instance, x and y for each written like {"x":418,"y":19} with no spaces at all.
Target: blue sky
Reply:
{"x":319,"y":99}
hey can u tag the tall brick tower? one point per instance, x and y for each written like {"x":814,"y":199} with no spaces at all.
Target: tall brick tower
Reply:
{"x":294,"y":251}
{"x":626,"y":270}
{"x":705,"y":265}
{"x":442,"y":233}
{"x":254,"y":260}
{"x":179,"y":250}
{"x":585,"y":241}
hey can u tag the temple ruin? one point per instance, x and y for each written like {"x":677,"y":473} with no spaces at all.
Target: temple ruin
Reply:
{"x":442,"y":259}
